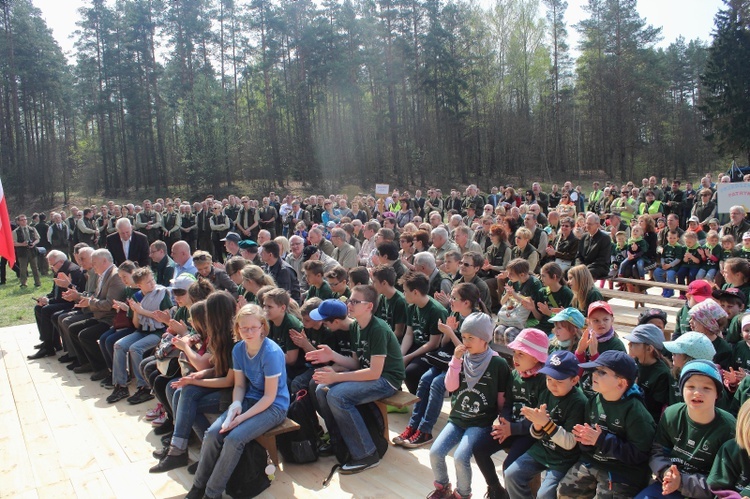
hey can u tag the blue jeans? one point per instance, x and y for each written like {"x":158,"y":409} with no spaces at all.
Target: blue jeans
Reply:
{"x":706,"y":274}
{"x":431,"y":391}
{"x":687,"y":273}
{"x":137,"y":344}
{"x":107,"y":343}
{"x":338,"y":406}
{"x":465,"y":439}
{"x":221,"y":452}
{"x":519,"y":474}
{"x":190,"y":404}
{"x":654,"y":491}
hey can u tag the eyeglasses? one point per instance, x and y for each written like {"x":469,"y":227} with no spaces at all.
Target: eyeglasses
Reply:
{"x":354,"y":302}
{"x":467,"y":264}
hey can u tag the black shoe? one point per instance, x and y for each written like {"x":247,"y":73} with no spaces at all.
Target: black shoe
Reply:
{"x":360,"y":465}
{"x":166,"y":439}
{"x":193,"y":468}
{"x":107,"y":382}
{"x":160,"y":454}
{"x":41,"y":354}
{"x":496,"y":492}
{"x":170,"y":462}
{"x":119,"y":393}
{"x":73,"y":365}
{"x":165,"y":428}
{"x":326,"y":450}
{"x":66,"y":358}
{"x":195,"y":493}
{"x":143,"y":394}
{"x":85,"y":368}
{"x":39,"y":346}
{"x":100,"y":375}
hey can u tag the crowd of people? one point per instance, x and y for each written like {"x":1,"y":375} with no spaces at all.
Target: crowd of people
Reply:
{"x":233,"y":307}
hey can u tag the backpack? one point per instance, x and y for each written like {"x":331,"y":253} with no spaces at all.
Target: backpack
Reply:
{"x":300,"y":446}
{"x":249,"y":477}
{"x":375,"y":426}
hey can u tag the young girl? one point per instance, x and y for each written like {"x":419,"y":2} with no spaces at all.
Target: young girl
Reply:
{"x":253,"y":278}
{"x":692,"y":260}
{"x":581,"y":283}
{"x":619,"y":252}
{"x":431,"y":389}
{"x":646,"y":343}
{"x":512,"y":431}
{"x":709,"y":318}
{"x":283,"y":315}
{"x":671,"y":259}
{"x":599,"y":338}
{"x":711,"y":254}
{"x":737,"y":275}
{"x":513,"y":317}
{"x":637,"y":248}
{"x":567,"y":330}
{"x":689,"y":435}
{"x":477,"y":377}
{"x":690,"y":346}
{"x":260,"y":400}
{"x":730,"y":473}
{"x":550,"y":299}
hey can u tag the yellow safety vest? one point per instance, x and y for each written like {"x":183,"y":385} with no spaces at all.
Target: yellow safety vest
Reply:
{"x":654,"y":208}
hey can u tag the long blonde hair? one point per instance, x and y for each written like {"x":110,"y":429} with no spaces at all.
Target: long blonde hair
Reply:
{"x":250,"y":310}
{"x":743,"y":427}
{"x":584,"y":281}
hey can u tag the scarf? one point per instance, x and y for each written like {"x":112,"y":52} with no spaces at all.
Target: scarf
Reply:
{"x":151,"y":302}
{"x":531,"y":372}
{"x":633,"y":240}
{"x":606,"y":336}
{"x":475,"y":365}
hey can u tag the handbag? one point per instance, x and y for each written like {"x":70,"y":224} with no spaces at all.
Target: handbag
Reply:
{"x":165,"y":348}
{"x":122,"y":321}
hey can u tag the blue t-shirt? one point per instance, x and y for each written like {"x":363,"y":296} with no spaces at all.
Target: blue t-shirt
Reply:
{"x":267,"y":363}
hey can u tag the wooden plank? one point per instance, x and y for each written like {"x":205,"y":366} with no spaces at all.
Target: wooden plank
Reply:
{"x":642,"y":298}
{"x":650,"y":283}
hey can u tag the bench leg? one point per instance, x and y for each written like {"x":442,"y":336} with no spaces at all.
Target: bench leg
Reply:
{"x":269,"y":443}
{"x":384,"y":412}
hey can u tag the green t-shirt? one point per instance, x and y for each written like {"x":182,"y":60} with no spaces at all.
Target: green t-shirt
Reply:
{"x":741,"y":356}
{"x":424,"y":321}
{"x":529,"y":288}
{"x":378,"y":339}
{"x":682,"y":324}
{"x":733,"y":333}
{"x":347,"y":294}
{"x":723,"y":355}
{"x":477,"y":407}
{"x":342,"y":339}
{"x":324,"y":292}
{"x":525,"y":392}
{"x":627,"y":420}
{"x":561,"y":299}
{"x":731,"y":470}
{"x":322,"y":336}
{"x":740,"y":395}
{"x":565,"y":412}
{"x":592,"y":296}
{"x":689,"y":445}
{"x":280,"y":334}
{"x":394,"y":309}
{"x":656,"y":382}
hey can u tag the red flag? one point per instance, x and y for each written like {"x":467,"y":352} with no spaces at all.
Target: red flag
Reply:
{"x":6,"y":235}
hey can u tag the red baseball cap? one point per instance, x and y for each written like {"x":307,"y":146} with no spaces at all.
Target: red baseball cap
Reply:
{"x":700,"y":290}
{"x":600,"y":305}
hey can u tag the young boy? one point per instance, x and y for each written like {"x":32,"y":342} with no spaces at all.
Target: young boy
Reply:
{"x":711,"y":254}
{"x":337,"y":278}
{"x":619,"y":252}
{"x":732,"y":300}
{"x":375,"y":370}
{"x":691,"y":260}
{"x":319,"y":288}
{"x":422,"y":334}
{"x":314,"y":334}
{"x":616,"y":435}
{"x":741,"y":351}
{"x":744,"y":250}
{"x":727,"y":249}
{"x":561,"y":407}
{"x":597,"y":339}
{"x":671,"y":258}
{"x":393,"y":308}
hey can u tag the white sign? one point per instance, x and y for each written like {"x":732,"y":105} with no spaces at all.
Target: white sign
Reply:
{"x":382,"y":189}
{"x":733,"y":194}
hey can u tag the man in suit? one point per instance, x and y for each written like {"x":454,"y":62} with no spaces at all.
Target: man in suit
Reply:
{"x":68,"y":275}
{"x":595,"y":248}
{"x":128,"y":245}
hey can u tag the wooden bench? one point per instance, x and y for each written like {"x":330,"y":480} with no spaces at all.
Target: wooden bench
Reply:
{"x":268,"y":439}
{"x":399,"y":400}
{"x":648,"y":283}
{"x":628,"y":322}
{"x":642,"y":298}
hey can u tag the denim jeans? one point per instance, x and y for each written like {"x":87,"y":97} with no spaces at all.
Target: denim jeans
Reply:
{"x":431,"y":392}
{"x":190,"y":404}
{"x":669,"y":275}
{"x":465,"y":439}
{"x":137,"y":344}
{"x":653,"y":491}
{"x":338,"y":407}
{"x":687,"y":273}
{"x":221,"y":452}
{"x":519,"y":474}
{"x":706,"y":274}
{"x":107,"y":343}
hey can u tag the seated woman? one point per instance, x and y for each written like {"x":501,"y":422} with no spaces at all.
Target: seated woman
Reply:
{"x":259,"y":403}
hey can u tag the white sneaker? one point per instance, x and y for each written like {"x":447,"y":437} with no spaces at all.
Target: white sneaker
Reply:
{"x":160,"y":420}
{"x":155,"y":412}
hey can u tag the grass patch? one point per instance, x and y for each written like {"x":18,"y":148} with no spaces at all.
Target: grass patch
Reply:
{"x":15,"y":301}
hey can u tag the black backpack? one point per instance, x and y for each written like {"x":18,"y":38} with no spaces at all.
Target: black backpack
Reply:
{"x":300,"y":446}
{"x":249,"y":477}
{"x":373,"y":419}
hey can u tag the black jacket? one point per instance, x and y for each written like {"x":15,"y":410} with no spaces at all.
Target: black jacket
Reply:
{"x":595,"y":252}
{"x":138,"y":252}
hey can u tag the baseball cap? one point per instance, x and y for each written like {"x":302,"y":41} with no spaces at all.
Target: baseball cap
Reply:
{"x":561,"y":365}
{"x":248,"y":245}
{"x":730,"y":293}
{"x":183,"y":281}
{"x":694,"y":219}
{"x":600,"y":305}
{"x":745,"y":320}
{"x":652,"y":313}
{"x":699,"y":290}
{"x":693,"y":344}
{"x":232,"y":236}
{"x":308,"y":252}
{"x":570,"y":314}
{"x":532,"y":342}
{"x":703,"y":367}
{"x":620,"y":362}
{"x":714,"y":221}
{"x":648,"y":334}
{"x":331,"y":308}
{"x":746,"y":235}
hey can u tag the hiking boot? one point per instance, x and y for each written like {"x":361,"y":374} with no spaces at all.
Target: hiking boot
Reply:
{"x":170,"y":462}
{"x":107,"y":382}
{"x":195,"y":493}
{"x":441,"y":491}
{"x":100,"y":375}
{"x":155,"y":412}
{"x":143,"y":394}
{"x":83,"y":369}
{"x":417,"y":440}
{"x":119,"y":393}
{"x":406,"y":435}
{"x":360,"y":465}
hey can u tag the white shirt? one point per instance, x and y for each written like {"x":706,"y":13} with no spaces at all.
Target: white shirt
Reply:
{"x":126,"y":248}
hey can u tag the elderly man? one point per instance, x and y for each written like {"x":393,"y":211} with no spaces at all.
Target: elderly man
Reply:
{"x":595,"y":248}
{"x":440,"y":245}
{"x":58,"y":233}
{"x":283,"y":273}
{"x":148,"y":222}
{"x":128,"y":245}
{"x":539,"y":238}
{"x":25,"y":240}
{"x":315,"y":236}
{"x":344,"y":253}
{"x":67,"y":274}
{"x":161,"y":265}
{"x":295,"y":259}
{"x":440,"y":283}
{"x":183,"y":260}
{"x":737,"y":225}
{"x":463,"y":240}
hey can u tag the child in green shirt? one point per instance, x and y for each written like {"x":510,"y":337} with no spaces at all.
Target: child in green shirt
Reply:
{"x":692,"y":260}
{"x":599,"y":338}
{"x":731,"y":468}
{"x":671,"y":258}
{"x":646,"y":343}
{"x":744,"y":250}
{"x":338,"y":280}
{"x":568,"y":324}
{"x":711,"y":254}
{"x":637,"y":248}
{"x":708,"y":317}
{"x":690,"y":346}
{"x":319,"y":288}
{"x":619,"y":252}
{"x":513,"y":316}
{"x":393,"y":309}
